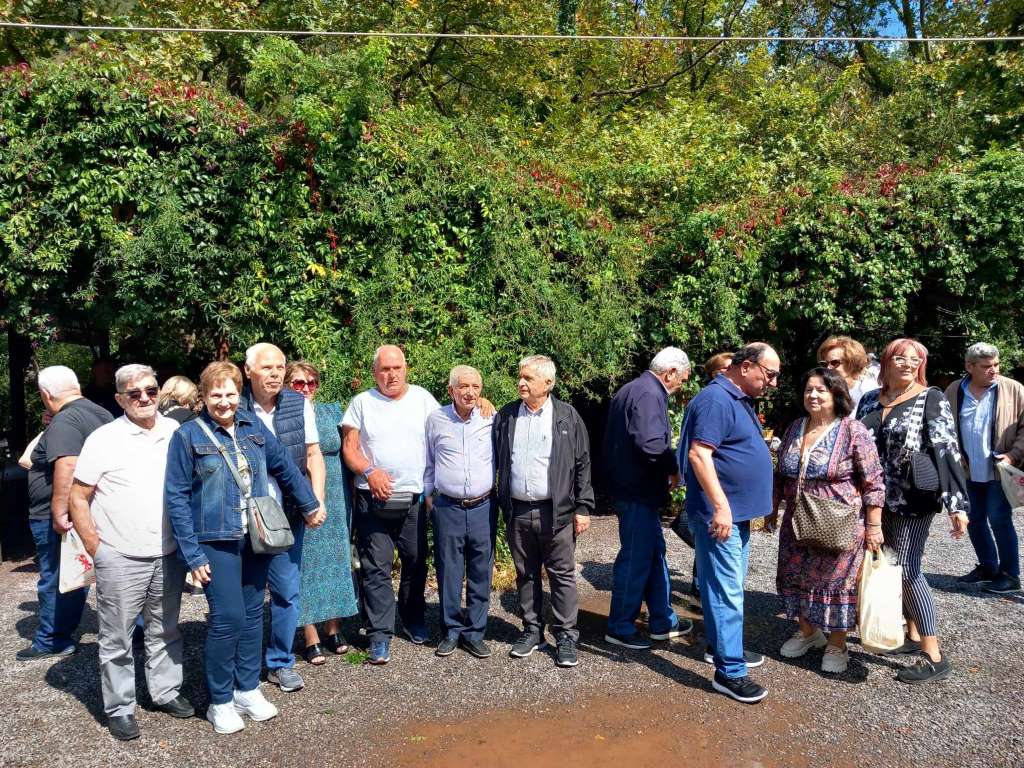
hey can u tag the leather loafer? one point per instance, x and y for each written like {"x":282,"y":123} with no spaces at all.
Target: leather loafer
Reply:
{"x":123,"y":727}
{"x":179,"y":706}
{"x":447,"y":646}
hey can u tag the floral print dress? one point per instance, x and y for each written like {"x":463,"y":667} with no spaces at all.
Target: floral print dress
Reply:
{"x":842,"y":464}
{"x":938,"y":435}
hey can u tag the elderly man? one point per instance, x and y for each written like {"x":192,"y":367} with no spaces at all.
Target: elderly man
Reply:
{"x":290,"y":417}
{"x":544,"y":490}
{"x":384,"y":444}
{"x":989,"y":413}
{"x":642,"y":469}
{"x":117,"y":506}
{"x":729,"y":483}
{"x":49,"y":483}
{"x":460,"y":471}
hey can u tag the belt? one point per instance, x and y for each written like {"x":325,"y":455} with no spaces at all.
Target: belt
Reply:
{"x":466,"y":503}
{"x":539,"y":503}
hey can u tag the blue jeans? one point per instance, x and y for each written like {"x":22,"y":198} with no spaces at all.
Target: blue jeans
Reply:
{"x":464,"y":542}
{"x":640,"y":573}
{"x":234,"y":633}
{"x":723,"y":567}
{"x":59,"y":614}
{"x":284,"y":579}
{"x":989,"y":508}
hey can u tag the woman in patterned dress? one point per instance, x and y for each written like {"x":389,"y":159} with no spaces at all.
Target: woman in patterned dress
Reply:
{"x":818,"y":587}
{"x":888,"y":414}
{"x":327,"y":593}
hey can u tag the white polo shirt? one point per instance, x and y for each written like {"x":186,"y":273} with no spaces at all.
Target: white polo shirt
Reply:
{"x":312,"y":437}
{"x":126,"y":465}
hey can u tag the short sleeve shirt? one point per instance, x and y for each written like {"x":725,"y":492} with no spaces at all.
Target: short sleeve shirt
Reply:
{"x":64,"y":437}
{"x":722,"y":417}
{"x":392,"y":434}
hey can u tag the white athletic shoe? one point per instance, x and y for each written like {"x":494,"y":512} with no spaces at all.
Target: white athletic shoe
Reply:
{"x":254,"y":704}
{"x":835,"y":660}
{"x":224,"y":718}
{"x":798,"y":645}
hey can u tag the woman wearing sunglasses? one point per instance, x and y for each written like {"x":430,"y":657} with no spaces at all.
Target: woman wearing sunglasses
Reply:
{"x":847,"y":357}
{"x":327,"y":593}
{"x":907,"y":417}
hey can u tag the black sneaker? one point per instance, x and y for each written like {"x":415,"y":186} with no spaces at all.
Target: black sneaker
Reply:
{"x":32,"y":653}
{"x":477,"y":648}
{"x":750,"y":658}
{"x":635,"y":641}
{"x":909,"y":647}
{"x":924,"y":670}
{"x":566,"y":652}
{"x":977,"y":576}
{"x":447,"y":646}
{"x":1004,"y":585}
{"x":528,"y":642}
{"x":741,"y":689}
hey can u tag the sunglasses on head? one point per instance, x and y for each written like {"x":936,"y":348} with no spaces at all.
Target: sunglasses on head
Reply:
{"x":136,"y":394}
{"x":304,"y":384}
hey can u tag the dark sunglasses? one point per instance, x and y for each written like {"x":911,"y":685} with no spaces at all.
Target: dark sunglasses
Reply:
{"x":830,"y":363}
{"x":303,"y":384}
{"x":136,"y":394}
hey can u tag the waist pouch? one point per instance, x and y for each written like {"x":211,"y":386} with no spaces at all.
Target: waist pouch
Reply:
{"x":396,"y":507}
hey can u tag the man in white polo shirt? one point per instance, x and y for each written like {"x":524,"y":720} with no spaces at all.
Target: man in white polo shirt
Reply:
{"x":117,"y":509}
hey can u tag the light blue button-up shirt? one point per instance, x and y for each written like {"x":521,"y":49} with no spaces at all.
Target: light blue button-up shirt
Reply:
{"x":976,"y":431}
{"x":531,"y":453}
{"x":460,"y":454}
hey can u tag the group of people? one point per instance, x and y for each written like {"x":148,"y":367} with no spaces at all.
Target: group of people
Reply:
{"x":167,"y":491}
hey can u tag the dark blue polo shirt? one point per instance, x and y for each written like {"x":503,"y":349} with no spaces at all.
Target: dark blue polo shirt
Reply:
{"x":723,"y":417}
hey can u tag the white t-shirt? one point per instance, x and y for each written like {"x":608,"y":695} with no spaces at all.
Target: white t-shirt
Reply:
{"x":392,"y":434}
{"x":126,"y":465}
{"x":308,"y":425}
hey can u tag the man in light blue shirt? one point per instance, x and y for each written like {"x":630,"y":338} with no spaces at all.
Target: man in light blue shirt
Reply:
{"x":531,"y":453}
{"x":458,"y":484}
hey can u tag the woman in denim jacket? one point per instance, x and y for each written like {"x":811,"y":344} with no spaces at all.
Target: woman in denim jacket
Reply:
{"x":205,"y":508}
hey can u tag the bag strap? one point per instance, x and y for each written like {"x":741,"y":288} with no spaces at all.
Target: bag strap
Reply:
{"x":243,"y":486}
{"x":915,"y":424}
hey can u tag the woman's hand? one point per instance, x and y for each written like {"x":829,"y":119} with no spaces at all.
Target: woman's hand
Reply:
{"x":202,"y":574}
{"x":959,"y":521}
{"x":873,"y":538}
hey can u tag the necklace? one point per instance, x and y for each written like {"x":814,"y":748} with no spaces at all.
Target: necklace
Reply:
{"x":898,"y":395}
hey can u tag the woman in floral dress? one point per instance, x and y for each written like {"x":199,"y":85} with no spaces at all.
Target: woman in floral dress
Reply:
{"x":888,"y":414}
{"x":819,"y":587}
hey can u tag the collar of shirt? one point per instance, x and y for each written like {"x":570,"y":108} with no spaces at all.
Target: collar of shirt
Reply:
{"x":724,"y":382}
{"x":159,"y":429}
{"x":241,"y":417}
{"x":662,"y":383}
{"x":524,"y":409}
{"x":965,"y":385}
{"x":454,"y":414}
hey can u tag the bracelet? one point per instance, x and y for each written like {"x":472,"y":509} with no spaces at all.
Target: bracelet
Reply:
{"x":873,"y":525}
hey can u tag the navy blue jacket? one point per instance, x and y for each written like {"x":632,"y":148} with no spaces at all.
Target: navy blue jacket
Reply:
{"x":638,"y":442}
{"x":203,"y":501}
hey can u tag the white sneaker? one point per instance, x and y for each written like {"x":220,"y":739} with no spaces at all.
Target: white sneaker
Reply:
{"x":835,"y":660}
{"x":798,"y":645}
{"x":224,"y":718}
{"x":254,"y":704}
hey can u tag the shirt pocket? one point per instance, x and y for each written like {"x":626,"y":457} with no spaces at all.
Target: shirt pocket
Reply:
{"x":208,"y":460}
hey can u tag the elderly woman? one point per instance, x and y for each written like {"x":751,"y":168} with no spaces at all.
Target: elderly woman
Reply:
{"x":206,"y":509}
{"x":179,"y":399}
{"x":327,"y":593}
{"x":849,"y":359}
{"x":838,"y":460}
{"x":907,"y":416}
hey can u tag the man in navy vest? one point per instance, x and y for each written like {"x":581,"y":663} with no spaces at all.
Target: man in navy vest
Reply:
{"x":290,"y":416}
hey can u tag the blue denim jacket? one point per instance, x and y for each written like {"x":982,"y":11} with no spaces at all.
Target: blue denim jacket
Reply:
{"x":201,"y":497}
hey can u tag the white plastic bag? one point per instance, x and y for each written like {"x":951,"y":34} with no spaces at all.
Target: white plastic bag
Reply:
{"x":1013,"y":485}
{"x":880,"y":604}
{"x":76,"y":567}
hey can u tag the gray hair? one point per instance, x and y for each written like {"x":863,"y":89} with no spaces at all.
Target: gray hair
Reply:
{"x":670,"y":358}
{"x":382,"y":349}
{"x":127,"y":374}
{"x":257,"y":349}
{"x":543,"y":364}
{"x":462,"y":370}
{"x":980,"y":351}
{"x":57,"y":380}
{"x":753,"y":352}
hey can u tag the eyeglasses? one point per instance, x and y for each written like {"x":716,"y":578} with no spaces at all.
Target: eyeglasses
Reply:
{"x":769,"y":373}
{"x":136,"y":394}
{"x":911,"y":361}
{"x":300,"y":384}
{"x":836,"y":363}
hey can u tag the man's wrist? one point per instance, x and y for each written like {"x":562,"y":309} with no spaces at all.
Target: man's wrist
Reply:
{"x":368,"y":471}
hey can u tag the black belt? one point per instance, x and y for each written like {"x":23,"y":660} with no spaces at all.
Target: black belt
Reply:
{"x":466,"y":503}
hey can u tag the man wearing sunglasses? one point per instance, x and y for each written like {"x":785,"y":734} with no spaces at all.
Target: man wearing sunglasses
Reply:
{"x":117,"y":506}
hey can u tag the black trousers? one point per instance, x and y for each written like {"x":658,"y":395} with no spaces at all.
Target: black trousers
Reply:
{"x":377,"y":538}
{"x":533,"y":543}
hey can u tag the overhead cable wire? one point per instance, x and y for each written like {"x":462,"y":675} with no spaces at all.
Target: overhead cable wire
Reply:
{"x":522,"y":36}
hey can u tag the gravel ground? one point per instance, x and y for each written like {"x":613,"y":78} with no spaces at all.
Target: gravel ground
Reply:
{"x":352,"y":715}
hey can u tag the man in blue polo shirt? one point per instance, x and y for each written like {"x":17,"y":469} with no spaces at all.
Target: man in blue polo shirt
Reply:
{"x":729,"y":483}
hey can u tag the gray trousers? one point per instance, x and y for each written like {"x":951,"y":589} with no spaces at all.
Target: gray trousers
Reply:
{"x":533,"y":543}
{"x":126,"y":587}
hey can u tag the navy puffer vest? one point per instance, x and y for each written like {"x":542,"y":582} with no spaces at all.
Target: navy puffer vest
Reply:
{"x":289,"y":425}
